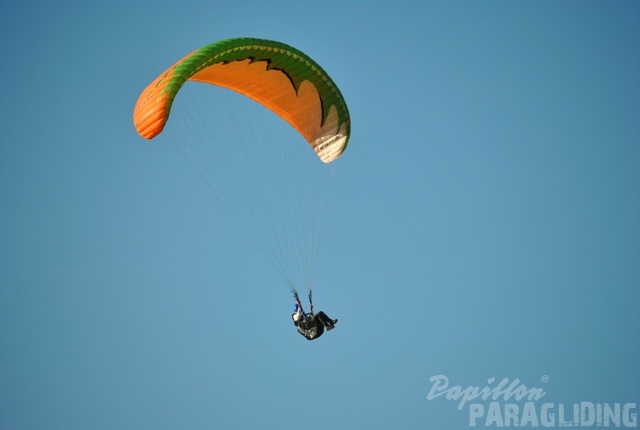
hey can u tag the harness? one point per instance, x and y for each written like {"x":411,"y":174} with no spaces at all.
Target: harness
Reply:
{"x":310,"y":328}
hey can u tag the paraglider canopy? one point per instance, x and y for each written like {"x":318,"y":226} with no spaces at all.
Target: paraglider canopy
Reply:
{"x":274,"y":74}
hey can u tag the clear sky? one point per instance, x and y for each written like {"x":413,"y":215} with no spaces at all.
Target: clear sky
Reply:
{"x":483,"y":223}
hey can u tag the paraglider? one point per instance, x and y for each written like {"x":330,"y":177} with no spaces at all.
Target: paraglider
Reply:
{"x":285,"y":220}
{"x":310,"y":325}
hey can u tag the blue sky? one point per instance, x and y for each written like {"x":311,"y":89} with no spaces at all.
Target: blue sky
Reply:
{"x":483,"y":223}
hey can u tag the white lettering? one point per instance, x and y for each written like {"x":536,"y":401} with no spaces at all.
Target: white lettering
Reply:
{"x":529,"y":415}
{"x":476,"y":411}
{"x":494,"y":416}
{"x":629,"y":419}
{"x":548,"y":418}
{"x":440,"y":386}
{"x":437,"y":381}
{"x":612,"y":415}
{"x":561,"y":421}
{"x":511,"y":411}
{"x":585,"y":414}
